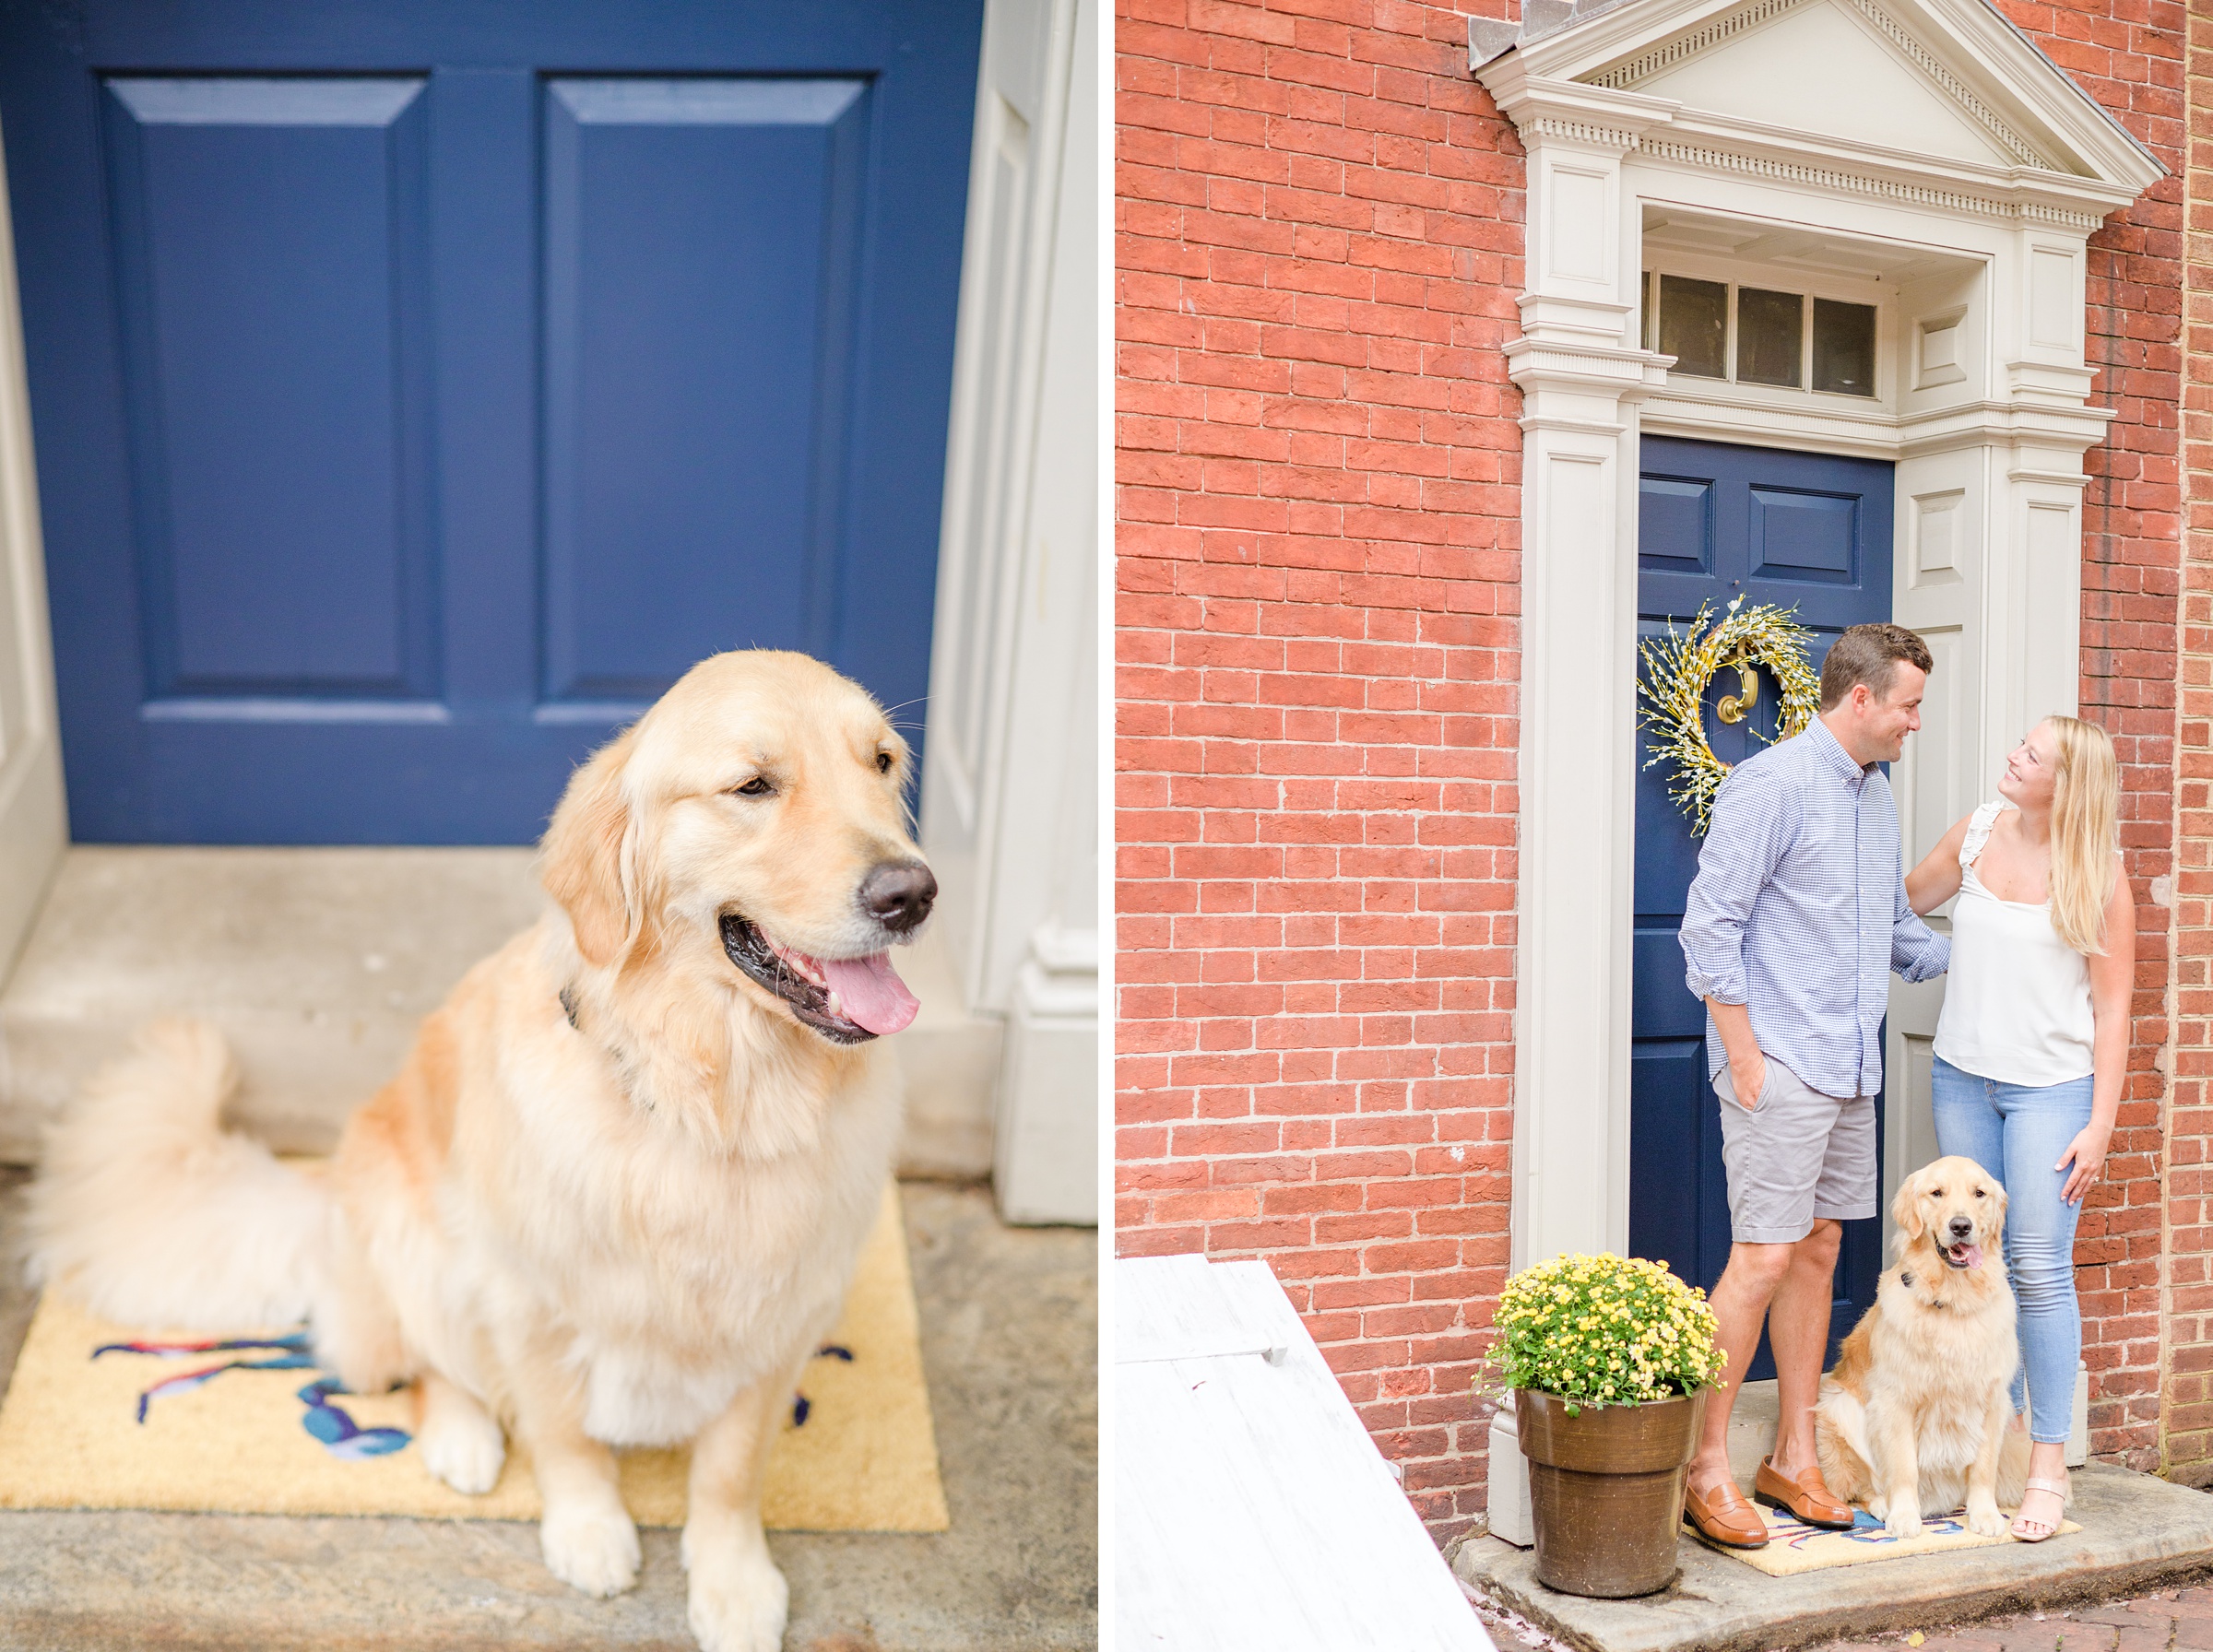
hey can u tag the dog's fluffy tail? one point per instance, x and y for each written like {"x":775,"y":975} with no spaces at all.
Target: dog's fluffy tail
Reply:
{"x":150,"y":1213}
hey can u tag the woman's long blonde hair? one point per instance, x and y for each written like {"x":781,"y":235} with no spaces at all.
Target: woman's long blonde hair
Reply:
{"x":2086,"y":830}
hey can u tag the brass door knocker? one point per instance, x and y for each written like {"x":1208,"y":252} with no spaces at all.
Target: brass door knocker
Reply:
{"x":1731,"y":708}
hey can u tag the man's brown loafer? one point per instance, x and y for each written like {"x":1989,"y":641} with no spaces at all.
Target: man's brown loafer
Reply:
{"x":1807,"y":1498}
{"x":1722,"y":1513}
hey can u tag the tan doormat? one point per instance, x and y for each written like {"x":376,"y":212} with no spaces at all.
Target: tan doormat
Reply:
{"x":99,"y":1416}
{"x":1794,"y":1547}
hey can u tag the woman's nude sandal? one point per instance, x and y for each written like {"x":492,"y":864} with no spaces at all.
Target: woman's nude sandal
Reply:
{"x":2038,"y":1530}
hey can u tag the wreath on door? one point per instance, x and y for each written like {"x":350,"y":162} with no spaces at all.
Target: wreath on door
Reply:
{"x":1677,"y":670}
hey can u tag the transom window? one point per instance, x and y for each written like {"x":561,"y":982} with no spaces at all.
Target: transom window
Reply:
{"x":1760,"y":336}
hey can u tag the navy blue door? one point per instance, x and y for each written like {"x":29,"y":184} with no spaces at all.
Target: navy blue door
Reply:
{"x":421,"y":385}
{"x":1714,"y":521}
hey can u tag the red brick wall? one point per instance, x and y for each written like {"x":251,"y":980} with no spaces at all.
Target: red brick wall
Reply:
{"x":2188,"y":1409}
{"x":1318,"y":236}
{"x":2128,"y":55}
{"x":1318,"y":250}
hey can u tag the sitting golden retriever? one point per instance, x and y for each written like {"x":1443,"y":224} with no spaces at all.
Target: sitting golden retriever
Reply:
{"x":1912,"y":1421}
{"x":616,"y":1194}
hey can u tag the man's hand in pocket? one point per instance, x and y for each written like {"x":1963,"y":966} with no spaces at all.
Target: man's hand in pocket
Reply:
{"x":1748,"y":1079}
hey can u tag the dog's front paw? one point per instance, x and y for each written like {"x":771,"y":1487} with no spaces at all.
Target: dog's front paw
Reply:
{"x":1904,"y":1520}
{"x":739,"y":1601}
{"x":464,"y":1447}
{"x":590,"y":1547}
{"x":1983,"y":1518}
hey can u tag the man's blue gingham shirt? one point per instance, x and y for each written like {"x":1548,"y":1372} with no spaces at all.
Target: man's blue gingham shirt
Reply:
{"x":1799,"y":910}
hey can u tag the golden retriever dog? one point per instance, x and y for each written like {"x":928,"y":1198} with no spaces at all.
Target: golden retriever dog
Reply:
{"x":616,"y":1193}
{"x":1913,"y":1420}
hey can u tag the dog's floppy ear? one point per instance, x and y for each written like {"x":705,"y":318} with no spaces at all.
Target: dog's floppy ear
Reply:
{"x":1905,"y":1209}
{"x":1997,"y":1223}
{"x":584,"y":858}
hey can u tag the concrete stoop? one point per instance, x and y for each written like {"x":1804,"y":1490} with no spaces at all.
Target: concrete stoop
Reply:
{"x":319,"y":963}
{"x":2136,"y":1532}
{"x":1009,"y":1344}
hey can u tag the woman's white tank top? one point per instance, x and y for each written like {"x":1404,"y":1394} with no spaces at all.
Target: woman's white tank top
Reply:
{"x":2017,"y":1004}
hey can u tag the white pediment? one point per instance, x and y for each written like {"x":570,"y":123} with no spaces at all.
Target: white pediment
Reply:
{"x":1825,"y":67}
{"x":1950,"y":82}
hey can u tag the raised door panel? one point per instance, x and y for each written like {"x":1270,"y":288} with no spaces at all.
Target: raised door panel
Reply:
{"x":1803,"y":535}
{"x":271,"y":253}
{"x":701,"y":240}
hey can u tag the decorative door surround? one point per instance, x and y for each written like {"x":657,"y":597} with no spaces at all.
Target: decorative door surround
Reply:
{"x":1950,"y":158}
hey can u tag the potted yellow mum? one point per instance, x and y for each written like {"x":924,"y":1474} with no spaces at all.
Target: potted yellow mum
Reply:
{"x":1610,"y":1360}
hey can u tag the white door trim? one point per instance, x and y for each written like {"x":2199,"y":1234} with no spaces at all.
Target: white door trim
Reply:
{"x":34,"y":825}
{"x":1010,"y":805}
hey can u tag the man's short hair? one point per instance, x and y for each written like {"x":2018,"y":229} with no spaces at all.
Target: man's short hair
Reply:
{"x":1870,"y":654}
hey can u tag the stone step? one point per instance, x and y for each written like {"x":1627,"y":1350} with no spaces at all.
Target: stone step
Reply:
{"x":318,"y":963}
{"x":2138,"y":1531}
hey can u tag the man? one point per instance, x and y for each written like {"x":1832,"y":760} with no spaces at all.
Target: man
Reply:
{"x":1795,"y":918}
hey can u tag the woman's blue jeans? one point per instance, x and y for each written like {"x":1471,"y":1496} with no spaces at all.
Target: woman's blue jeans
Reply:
{"x":2017,"y":1132}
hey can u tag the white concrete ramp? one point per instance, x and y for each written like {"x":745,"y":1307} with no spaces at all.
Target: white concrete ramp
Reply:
{"x":1252,"y":1511}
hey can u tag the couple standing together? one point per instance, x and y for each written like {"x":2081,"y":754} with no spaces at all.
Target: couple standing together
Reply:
{"x":1796,"y":917}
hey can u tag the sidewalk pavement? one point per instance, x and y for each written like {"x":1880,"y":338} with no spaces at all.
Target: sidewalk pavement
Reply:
{"x":2167,"y":1620}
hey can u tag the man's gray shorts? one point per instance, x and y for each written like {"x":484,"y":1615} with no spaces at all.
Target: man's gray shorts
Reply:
{"x":1795,"y":1156}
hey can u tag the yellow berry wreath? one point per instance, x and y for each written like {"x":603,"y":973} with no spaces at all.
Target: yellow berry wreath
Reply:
{"x":1680,"y":667}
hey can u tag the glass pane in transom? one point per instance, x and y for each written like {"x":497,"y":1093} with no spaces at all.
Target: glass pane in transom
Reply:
{"x":1694,"y":325}
{"x":1770,"y":337}
{"x":1844,"y":347}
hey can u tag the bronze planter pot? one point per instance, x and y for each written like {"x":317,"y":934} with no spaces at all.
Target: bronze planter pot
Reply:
{"x":1605,"y":1489}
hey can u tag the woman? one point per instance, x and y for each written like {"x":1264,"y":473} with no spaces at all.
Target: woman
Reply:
{"x":2032,"y":1045}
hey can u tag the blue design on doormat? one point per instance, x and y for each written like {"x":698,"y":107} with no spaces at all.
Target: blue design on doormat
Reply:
{"x":341,"y":1437}
{"x":336,"y":1431}
{"x":802,"y":1407}
{"x":1865,"y":1528}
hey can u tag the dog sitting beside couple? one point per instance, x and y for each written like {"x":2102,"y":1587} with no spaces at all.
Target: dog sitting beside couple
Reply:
{"x":1798,"y":912}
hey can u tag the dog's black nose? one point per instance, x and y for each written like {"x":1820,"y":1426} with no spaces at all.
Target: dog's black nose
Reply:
{"x":898,"y":894}
{"x":1961,"y":1227}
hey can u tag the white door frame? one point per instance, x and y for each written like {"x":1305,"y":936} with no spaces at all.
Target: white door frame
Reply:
{"x":1988,"y":446}
{"x":34,"y":825}
{"x":1010,"y":804}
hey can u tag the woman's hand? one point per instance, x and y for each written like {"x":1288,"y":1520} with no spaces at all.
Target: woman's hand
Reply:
{"x":2088,"y":1152}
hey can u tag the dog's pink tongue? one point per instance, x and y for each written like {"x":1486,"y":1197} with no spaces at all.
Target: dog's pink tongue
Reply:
{"x":1973,"y":1253}
{"x":870,"y":992}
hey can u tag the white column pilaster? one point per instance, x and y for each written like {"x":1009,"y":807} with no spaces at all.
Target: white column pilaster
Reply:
{"x":1581,"y":372}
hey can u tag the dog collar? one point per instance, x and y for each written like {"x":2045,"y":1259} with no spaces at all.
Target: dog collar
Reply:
{"x":1905,"y":1278}
{"x":623,"y":1072}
